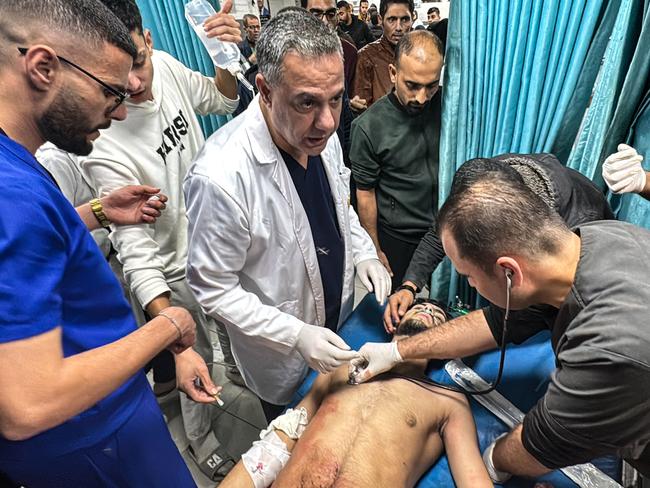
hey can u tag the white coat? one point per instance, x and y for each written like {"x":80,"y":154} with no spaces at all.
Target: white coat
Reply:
{"x":251,"y":260}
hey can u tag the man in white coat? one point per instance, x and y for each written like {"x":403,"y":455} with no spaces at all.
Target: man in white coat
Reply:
{"x":273,"y":240}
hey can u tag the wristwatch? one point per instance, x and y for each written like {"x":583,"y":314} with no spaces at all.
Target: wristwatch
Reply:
{"x":410,"y":288}
{"x":98,"y":210}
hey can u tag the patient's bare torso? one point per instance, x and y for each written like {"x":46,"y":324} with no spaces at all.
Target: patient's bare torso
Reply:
{"x":380,"y":434}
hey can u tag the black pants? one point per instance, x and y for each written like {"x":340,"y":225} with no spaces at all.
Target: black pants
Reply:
{"x":271,"y":411}
{"x":164,"y":367}
{"x":399,"y":253}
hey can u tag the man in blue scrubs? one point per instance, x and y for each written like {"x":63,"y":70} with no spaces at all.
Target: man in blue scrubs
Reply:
{"x":75,"y":409}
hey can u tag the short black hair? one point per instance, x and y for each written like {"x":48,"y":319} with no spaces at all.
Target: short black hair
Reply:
{"x":493,"y":213}
{"x":128,"y":12}
{"x":433,"y":10}
{"x":384,"y":4}
{"x":90,"y":21}
{"x":342,"y":4}
{"x":363,"y":1}
{"x":476,"y":169}
{"x":414,"y":39}
{"x":247,"y":17}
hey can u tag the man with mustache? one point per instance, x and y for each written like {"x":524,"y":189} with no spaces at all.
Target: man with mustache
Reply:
{"x":394,"y":154}
{"x":326,"y":440}
{"x":372,"y":80}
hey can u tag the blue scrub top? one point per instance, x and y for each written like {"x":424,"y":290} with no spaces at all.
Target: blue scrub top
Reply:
{"x":316,"y":197}
{"x":53,"y":274}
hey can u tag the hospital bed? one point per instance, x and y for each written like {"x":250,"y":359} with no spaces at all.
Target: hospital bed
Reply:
{"x":525,"y":378}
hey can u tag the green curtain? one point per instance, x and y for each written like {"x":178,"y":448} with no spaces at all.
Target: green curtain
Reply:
{"x":172,"y":33}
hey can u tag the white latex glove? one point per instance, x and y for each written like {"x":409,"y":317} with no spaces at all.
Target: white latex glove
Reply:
{"x":375,"y":278}
{"x":374,"y":358}
{"x":323,"y":350}
{"x":497,"y":477}
{"x":622,"y":171}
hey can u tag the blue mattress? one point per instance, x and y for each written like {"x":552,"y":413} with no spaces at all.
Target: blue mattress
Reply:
{"x":525,"y":378}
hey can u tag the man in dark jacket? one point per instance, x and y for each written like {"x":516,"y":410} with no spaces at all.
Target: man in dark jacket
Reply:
{"x":571,"y":194}
{"x":358,"y":29}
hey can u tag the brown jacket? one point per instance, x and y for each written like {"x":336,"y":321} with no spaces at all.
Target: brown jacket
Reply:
{"x":372,"y":80}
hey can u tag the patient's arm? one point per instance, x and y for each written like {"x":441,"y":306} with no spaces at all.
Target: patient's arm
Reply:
{"x":238,"y":476}
{"x":459,"y":436}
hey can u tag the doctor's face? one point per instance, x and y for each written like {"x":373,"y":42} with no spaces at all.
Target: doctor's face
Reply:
{"x":304,"y":109}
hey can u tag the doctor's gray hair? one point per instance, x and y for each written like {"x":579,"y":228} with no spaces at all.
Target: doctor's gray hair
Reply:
{"x":293,"y":30}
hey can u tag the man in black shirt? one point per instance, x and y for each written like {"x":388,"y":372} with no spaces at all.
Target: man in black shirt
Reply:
{"x":394,"y":154}
{"x":350,"y":24}
{"x":588,"y":286}
{"x":570,"y":193}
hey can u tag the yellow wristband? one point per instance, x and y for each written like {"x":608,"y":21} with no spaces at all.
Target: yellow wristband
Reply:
{"x":98,"y":210}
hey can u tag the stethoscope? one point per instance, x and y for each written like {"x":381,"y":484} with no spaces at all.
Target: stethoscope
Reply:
{"x":427,"y":382}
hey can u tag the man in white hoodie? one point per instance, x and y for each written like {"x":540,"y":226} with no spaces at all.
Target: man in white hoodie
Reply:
{"x":154,"y":146}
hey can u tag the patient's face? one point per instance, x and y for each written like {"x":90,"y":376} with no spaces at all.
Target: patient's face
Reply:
{"x":419,"y":318}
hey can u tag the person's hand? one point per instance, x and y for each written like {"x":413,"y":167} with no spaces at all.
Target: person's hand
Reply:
{"x":383,"y":259}
{"x":190,"y":366}
{"x":223,"y":26}
{"x":185,"y":323}
{"x":398,"y":303}
{"x":375,"y":278}
{"x":622,"y":171}
{"x":497,"y":477}
{"x":374,"y":358}
{"x":133,"y":204}
{"x":358,"y":104}
{"x":253,"y":59}
{"x":323,"y":350}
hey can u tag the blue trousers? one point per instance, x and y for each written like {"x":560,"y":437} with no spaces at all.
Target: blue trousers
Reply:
{"x":140,"y":454}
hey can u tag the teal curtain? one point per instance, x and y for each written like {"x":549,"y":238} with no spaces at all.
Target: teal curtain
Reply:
{"x":630,"y":207}
{"x":511,"y":72}
{"x":619,"y":111}
{"x":171,"y":33}
{"x":618,"y":91}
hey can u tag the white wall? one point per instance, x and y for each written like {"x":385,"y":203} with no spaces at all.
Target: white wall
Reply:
{"x":241,"y":7}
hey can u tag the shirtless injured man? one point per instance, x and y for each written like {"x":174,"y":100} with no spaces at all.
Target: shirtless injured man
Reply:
{"x":383,"y":433}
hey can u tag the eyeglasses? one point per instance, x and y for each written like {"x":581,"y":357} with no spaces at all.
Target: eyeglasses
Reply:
{"x":319,"y":14}
{"x":108,"y":89}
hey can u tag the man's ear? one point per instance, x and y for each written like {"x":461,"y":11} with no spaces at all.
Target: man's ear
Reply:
{"x":392,"y":71}
{"x":508,"y":266}
{"x":264,"y":89}
{"x":41,"y":66}
{"x":148,"y":41}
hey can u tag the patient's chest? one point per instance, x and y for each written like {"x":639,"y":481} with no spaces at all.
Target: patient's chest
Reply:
{"x":378,"y":434}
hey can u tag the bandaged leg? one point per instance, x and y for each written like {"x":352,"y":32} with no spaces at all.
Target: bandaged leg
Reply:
{"x":266,"y":458}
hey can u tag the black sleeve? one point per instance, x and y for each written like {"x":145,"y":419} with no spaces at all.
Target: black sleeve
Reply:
{"x":365,"y":167}
{"x":426,"y":259}
{"x":343,"y":130}
{"x":522,"y":324}
{"x":596,"y":404}
{"x":367,"y":34}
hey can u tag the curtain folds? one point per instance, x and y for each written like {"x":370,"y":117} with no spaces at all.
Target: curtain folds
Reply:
{"x":172,"y":33}
{"x":512,"y":68}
